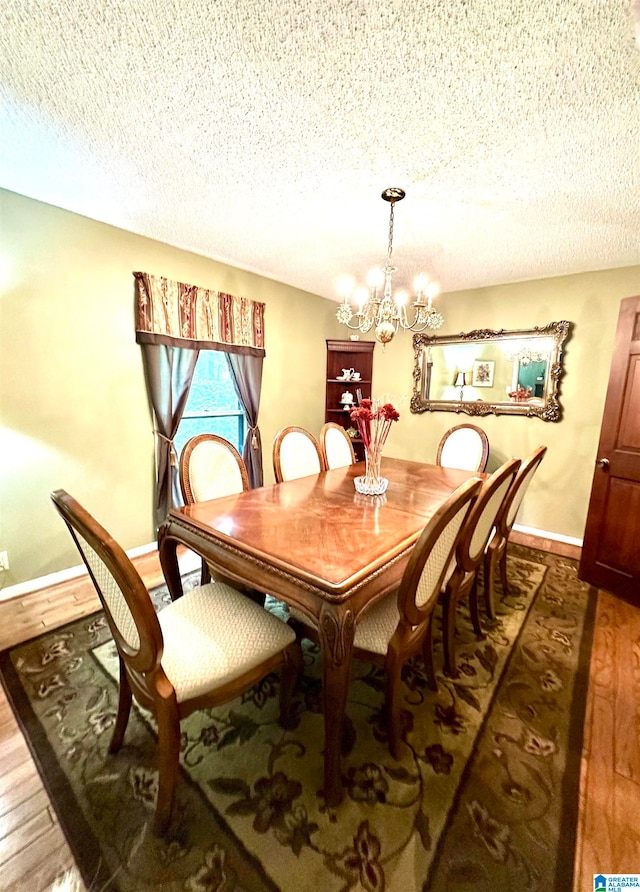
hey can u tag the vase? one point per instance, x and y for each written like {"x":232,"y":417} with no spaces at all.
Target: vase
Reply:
{"x":372,"y":484}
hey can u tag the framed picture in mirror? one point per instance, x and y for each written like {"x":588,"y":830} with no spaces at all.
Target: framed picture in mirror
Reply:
{"x":482,"y":373}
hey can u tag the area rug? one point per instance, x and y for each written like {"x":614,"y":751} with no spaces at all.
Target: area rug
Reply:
{"x":484,"y":798}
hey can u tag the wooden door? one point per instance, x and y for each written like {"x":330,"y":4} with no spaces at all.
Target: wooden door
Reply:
{"x":611,"y":549}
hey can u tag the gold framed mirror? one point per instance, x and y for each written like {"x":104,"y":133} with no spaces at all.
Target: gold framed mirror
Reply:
{"x":487,"y":372}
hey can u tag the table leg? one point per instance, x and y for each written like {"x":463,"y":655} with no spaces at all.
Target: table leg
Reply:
{"x":168,"y":553}
{"x":336,"y":630}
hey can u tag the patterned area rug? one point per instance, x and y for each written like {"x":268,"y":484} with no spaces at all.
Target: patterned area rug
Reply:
{"x":485,"y":797}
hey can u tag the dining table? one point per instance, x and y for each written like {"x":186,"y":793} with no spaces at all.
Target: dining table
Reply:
{"x":321,"y":547}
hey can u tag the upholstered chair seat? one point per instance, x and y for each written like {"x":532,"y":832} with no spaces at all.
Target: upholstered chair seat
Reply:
{"x":212,"y":635}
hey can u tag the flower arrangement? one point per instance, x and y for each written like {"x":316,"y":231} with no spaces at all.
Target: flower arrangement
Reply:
{"x":374,"y":422}
{"x":520,"y":395}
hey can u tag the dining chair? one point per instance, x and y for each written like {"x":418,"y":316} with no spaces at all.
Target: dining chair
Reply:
{"x":336,"y":446}
{"x":204,"y":649}
{"x":470,"y":550}
{"x":464,"y":446}
{"x":399,"y":625}
{"x":496,"y":551}
{"x":296,"y":453}
{"x":211,"y":467}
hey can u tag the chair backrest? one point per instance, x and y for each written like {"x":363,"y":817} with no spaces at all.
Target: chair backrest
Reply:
{"x":482,"y":518}
{"x":211,"y":467}
{"x":336,"y":446}
{"x":296,"y":453}
{"x":511,"y":506}
{"x":432,"y":553}
{"x":464,"y":446}
{"x":125,"y":599}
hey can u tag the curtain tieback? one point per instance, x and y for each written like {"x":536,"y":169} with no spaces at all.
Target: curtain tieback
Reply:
{"x":254,"y":439}
{"x":173,"y":455}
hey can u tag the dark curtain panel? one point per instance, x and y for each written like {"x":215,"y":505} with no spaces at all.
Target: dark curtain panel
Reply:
{"x":169,"y":371}
{"x":246,"y":373}
{"x":174,"y":321}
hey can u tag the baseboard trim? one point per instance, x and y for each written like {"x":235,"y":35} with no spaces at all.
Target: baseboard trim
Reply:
{"x":35,"y":585}
{"x":543,"y":534}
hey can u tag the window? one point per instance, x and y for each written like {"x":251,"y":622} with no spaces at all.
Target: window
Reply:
{"x":212,"y":405}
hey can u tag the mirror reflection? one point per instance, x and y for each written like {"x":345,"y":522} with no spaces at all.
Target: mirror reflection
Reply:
{"x":491,"y":372}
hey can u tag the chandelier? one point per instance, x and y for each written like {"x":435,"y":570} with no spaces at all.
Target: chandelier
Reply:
{"x":382,"y":311}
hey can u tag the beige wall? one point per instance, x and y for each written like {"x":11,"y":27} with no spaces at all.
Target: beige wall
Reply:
{"x":74,"y":411}
{"x":73,"y":405}
{"x":558,"y":499}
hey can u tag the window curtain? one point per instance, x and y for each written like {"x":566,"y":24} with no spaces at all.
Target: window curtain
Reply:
{"x":178,"y":320}
{"x":246,"y":373}
{"x":168,"y":372}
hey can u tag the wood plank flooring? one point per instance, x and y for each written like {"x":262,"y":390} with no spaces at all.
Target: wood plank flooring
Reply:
{"x":33,"y":850}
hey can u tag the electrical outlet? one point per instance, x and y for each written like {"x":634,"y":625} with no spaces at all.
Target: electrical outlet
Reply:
{"x":4,"y":560}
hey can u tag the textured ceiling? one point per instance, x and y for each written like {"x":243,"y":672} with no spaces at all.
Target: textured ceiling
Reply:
{"x":262,"y":133}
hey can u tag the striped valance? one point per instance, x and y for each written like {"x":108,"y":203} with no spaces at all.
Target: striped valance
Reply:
{"x":187,"y":316}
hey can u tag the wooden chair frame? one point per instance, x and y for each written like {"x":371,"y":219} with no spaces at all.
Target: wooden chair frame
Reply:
{"x":470,"y":552}
{"x":496,"y":553}
{"x":277,"y":446}
{"x":414,"y":631}
{"x":331,"y":425}
{"x":483,"y":437}
{"x":141,"y":672}
{"x":187,"y":487}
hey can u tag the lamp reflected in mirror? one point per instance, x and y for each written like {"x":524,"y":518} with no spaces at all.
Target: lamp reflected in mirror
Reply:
{"x":461,"y":382}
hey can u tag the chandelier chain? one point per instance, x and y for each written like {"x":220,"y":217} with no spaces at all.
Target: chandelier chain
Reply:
{"x":390,"y":245}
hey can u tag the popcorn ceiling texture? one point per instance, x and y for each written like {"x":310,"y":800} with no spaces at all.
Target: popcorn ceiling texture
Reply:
{"x":262,"y":134}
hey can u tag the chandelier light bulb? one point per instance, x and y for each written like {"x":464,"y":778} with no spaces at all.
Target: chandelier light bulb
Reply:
{"x":375,"y":278}
{"x":361,"y":296}
{"x":432,"y":290}
{"x":420,"y":283}
{"x":378,"y":310}
{"x":345,"y":287}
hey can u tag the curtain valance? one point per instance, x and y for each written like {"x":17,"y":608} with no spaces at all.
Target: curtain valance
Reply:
{"x":186,"y":316}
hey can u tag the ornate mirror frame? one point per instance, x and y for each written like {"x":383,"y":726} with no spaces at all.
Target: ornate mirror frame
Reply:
{"x":543,"y":404}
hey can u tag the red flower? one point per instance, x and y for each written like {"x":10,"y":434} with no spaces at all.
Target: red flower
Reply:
{"x":389,"y":412}
{"x":374,"y":421}
{"x":362,"y":412}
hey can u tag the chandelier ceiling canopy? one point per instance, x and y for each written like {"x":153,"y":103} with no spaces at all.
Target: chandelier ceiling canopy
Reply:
{"x":385,"y":311}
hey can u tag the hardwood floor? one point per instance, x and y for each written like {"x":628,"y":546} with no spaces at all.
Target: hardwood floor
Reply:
{"x":33,"y":850}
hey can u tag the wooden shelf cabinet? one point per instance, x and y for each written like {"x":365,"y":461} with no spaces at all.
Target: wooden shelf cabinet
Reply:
{"x":356,"y":355}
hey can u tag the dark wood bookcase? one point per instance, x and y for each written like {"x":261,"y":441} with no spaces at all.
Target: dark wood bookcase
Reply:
{"x":356,"y":355}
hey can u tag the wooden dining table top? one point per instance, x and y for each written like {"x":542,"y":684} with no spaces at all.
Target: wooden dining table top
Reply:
{"x":320,"y":530}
